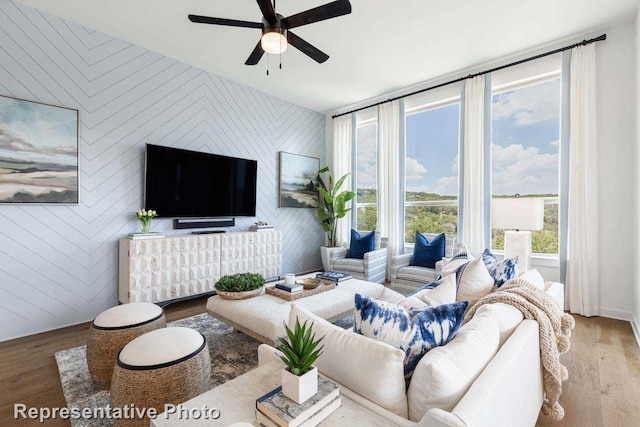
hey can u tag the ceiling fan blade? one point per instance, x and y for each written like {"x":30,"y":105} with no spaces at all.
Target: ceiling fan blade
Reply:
{"x":222,"y":21}
{"x":306,"y":48}
{"x":320,"y":13}
{"x":267,"y":10}
{"x":255,"y":56}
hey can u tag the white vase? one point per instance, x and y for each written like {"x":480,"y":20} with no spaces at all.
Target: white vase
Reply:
{"x":300,"y":388}
{"x":325,"y":253}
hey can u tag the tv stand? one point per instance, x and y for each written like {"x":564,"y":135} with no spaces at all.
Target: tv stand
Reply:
{"x":209,"y":232}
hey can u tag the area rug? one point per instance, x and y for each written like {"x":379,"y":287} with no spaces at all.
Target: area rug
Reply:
{"x":232,"y":354}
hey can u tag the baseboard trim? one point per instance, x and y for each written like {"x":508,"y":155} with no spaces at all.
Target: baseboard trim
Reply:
{"x":636,"y":330}
{"x":615,"y":314}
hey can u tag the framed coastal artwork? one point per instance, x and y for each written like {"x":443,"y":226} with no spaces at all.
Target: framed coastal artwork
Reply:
{"x":298,"y":181}
{"x":38,"y":153}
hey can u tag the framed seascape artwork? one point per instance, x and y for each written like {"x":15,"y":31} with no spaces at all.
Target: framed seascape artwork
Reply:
{"x":38,"y":153}
{"x":298,"y":181}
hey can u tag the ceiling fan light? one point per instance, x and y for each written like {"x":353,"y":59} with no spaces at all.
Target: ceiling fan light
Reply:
{"x":273,"y":42}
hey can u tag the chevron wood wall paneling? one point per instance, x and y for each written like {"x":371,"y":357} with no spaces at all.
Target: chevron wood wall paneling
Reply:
{"x":59,"y":264}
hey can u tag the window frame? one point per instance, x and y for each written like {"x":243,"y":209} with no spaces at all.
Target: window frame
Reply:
{"x":521,"y":84}
{"x":446,"y":102}
{"x":359,"y":124}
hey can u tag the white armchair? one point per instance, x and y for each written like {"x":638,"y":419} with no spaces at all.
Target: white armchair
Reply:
{"x":373,"y":268}
{"x":408,"y":278}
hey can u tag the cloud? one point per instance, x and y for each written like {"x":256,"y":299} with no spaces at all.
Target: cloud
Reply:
{"x":367,"y":157}
{"x":529,"y":105}
{"x":554,"y":143}
{"x":414,"y":169}
{"x":517,"y":169}
{"x":447,"y":186}
{"x":16,"y":142}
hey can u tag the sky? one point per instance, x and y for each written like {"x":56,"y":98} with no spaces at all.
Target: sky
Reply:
{"x":525,"y":134}
{"x":36,"y":132}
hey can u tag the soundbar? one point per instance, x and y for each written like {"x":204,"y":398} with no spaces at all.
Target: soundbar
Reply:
{"x":182,"y":223}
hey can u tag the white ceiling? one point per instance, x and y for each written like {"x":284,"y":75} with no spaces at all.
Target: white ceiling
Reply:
{"x":380,"y":47}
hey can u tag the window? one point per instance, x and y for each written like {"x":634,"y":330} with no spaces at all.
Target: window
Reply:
{"x":431,"y":170}
{"x":367,"y":175}
{"x":525,"y":153}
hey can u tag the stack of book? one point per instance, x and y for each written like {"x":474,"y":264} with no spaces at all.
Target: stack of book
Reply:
{"x":289,"y":288}
{"x":261,"y":227}
{"x":333,"y":276}
{"x":274,"y":409}
{"x":149,"y":235}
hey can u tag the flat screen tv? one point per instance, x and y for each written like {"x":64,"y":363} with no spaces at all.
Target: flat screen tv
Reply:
{"x":182,"y":183}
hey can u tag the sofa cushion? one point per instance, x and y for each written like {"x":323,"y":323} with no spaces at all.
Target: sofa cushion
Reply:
{"x":361,"y":244}
{"x":372,"y":369}
{"x":501,"y":271}
{"x":473,"y":281}
{"x":394,"y":325}
{"x":445,"y":373}
{"x":508,"y":317}
{"x":426,"y":253}
{"x":534,"y":277}
{"x":444,"y":293}
{"x":417,"y":274}
{"x":354,"y":265}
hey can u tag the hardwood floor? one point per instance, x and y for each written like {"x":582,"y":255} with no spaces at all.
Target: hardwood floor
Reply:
{"x":602,"y":390}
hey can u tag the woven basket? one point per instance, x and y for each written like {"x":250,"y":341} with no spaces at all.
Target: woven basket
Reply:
{"x":238,"y":295}
{"x":104,"y":344}
{"x":159,"y":386}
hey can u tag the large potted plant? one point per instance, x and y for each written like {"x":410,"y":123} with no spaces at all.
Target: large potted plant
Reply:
{"x":300,"y":377}
{"x":239,"y":286}
{"x":332,"y":206}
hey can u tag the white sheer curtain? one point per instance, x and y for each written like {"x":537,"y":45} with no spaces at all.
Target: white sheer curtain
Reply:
{"x":342,"y":142}
{"x":389,"y":220}
{"x":473,"y":198}
{"x":583,"y":272}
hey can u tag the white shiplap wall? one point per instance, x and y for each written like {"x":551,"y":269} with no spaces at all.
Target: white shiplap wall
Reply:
{"x":58,"y":264}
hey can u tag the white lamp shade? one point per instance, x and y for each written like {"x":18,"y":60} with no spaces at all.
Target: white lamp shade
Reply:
{"x":517,"y":213}
{"x":273,"y":42}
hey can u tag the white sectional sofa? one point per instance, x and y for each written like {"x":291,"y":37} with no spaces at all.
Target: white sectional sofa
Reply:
{"x":489,"y":375}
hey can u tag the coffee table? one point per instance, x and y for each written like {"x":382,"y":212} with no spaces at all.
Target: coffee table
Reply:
{"x":263,"y":317}
{"x":236,"y":401}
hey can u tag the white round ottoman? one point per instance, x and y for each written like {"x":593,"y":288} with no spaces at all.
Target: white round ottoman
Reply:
{"x":165,"y":366}
{"x":112,"y":330}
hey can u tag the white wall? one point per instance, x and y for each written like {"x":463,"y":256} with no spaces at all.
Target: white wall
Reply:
{"x":59,"y":264}
{"x":616,"y":174}
{"x":635,"y":323}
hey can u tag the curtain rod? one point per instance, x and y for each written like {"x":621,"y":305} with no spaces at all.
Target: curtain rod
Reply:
{"x":470,"y":76}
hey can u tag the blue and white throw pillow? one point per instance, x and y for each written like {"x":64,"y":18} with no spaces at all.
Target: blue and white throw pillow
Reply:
{"x":393,"y":324}
{"x":501,"y":271}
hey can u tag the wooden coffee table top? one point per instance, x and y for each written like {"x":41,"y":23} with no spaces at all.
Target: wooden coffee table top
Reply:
{"x":236,"y":401}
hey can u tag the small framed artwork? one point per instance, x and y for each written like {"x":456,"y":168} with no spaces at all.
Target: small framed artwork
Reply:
{"x":298,"y":181}
{"x":38,"y":153}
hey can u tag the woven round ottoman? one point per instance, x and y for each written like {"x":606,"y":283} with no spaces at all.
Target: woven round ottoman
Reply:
{"x":112,"y":330}
{"x":166,"y":366}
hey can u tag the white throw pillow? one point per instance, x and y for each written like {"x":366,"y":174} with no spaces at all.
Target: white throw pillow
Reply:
{"x":534,"y":277}
{"x":444,"y":293}
{"x":445,"y":373}
{"x":474,"y":281}
{"x":452,"y":264}
{"x":371,"y":368}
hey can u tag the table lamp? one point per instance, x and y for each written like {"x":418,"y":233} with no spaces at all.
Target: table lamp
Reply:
{"x":517,"y":216}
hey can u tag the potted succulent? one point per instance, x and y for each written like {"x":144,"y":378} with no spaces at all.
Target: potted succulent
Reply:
{"x":300,"y":377}
{"x":332,"y":206}
{"x":239,"y":286}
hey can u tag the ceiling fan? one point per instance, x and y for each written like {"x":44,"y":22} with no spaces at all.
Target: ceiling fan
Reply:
{"x":276,"y":28}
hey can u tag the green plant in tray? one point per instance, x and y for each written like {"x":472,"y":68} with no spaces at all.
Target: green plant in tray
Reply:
{"x":300,"y":350}
{"x":240,"y":282}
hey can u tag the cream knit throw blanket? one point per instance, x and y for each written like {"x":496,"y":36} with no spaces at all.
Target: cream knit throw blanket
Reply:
{"x":555,"y":331}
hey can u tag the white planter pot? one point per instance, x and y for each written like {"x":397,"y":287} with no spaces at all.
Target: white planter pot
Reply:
{"x":299,"y":389}
{"x":325,"y":253}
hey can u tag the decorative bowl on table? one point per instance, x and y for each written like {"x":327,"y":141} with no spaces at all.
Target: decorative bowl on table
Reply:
{"x":309,"y":283}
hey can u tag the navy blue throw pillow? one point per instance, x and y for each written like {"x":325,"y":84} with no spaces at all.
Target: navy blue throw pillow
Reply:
{"x":426,"y":253}
{"x":360,"y":245}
